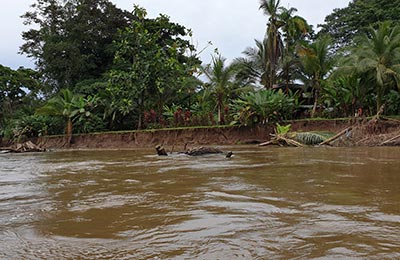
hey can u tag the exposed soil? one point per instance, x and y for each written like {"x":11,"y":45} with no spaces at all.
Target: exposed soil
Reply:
{"x":178,"y":139}
{"x":373,"y":133}
{"x":363,"y":133}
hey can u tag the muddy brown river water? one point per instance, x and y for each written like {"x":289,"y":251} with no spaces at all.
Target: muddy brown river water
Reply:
{"x":263,"y":203}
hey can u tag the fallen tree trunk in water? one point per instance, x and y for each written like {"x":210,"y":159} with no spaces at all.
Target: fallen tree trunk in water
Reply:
{"x":195,"y":151}
{"x":161,"y":150}
{"x":203,"y":150}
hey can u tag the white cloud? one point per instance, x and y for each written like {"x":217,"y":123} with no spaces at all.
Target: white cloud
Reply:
{"x":11,"y":28}
{"x":232,"y":25}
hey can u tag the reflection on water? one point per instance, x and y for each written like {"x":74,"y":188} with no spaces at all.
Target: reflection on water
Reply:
{"x":263,"y":203}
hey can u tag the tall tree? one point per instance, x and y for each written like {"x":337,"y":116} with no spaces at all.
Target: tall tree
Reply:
{"x":151,"y":65}
{"x":72,"y":40}
{"x":376,"y":57}
{"x":317,"y":62}
{"x":18,"y":88}
{"x":295,"y":31}
{"x":355,"y":19}
{"x":295,"y":28}
{"x":284,"y":31}
{"x":253,"y":67}
{"x":274,"y":46}
{"x":220,"y":82}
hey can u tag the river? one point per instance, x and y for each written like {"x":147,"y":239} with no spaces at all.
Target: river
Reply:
{"x":263,"y":203}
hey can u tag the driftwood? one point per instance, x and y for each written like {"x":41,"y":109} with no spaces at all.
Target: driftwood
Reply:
{"x":341,"y":133}
{"x":161,"y":150}
{"x":279,"y":139}
{"x":195,"y":151}
{"x":362,"y":140}
{"x":203,"y":150}
{"x":24,"y":148}
{"x":379,"y":113}
{"x":290,"y":141}
{"x":389,"y":140}
{"x":207,"y":150}
{"x":266,"y":143}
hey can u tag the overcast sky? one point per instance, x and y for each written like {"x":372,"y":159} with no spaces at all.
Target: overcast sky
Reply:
{"x":231,"y":25}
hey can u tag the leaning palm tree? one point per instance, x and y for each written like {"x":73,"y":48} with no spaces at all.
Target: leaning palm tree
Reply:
{"x":220,"y":81}
{"x":317,"y":63}
{"x":376,"y":56}
{"x":67,"y":105}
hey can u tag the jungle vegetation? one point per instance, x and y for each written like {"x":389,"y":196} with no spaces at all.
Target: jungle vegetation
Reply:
{"x":100,"y":68}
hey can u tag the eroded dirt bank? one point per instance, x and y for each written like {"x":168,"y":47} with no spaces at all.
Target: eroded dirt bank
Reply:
{"x":177,"y":138}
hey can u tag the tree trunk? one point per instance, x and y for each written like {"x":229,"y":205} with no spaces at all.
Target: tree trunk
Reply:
{"x":69,"y":132}
{"x":314,"y":110}
{"x":219,"y":114}
{"x":140,"y":121}
{"x":219,"y":107}
{"x":141,"y":108}
{"x":379,"y":99}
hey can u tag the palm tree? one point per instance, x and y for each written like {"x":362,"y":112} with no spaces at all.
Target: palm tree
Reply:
{"x":220,"y":81}
{"x":295,"y":29}
{"x":67,"y":105}
{"x":280,"y":61}
{"x":317,"y":63}
{"x":274,"y":45}
{"x":253,"y":67}
{"x":376,"y":56}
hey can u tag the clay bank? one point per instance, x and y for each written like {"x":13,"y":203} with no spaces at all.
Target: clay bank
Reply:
{"x":362,"y":134}
{"x":179,"y":137}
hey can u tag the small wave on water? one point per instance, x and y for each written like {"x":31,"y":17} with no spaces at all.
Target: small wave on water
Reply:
{"x":259,"y":204}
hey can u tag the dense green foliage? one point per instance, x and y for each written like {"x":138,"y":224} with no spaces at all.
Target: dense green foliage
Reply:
{"x":151,"y":66}
{"x":263,"y":106}
{"x":317,"y":63}
{"x":69,"y":106}
{"x":346,"y":23}
{"x":74,"y":39}
{"x":17,"y":89}
{"x":377,"y":58}
{"x":101,"y":68}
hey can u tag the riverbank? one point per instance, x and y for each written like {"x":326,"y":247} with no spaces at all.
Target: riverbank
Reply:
{"x":177,"y":139}
{"x":364,"y":133}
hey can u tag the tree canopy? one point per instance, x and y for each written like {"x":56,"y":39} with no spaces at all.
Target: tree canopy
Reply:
{"x":17,"y":88}
{"x":152,"y":63}
{"x":103,"y":68}
{"x":72,"y":40}
{"x":355,"y":19}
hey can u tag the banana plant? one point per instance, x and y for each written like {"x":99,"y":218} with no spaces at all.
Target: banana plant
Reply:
{"x":69,"y":106}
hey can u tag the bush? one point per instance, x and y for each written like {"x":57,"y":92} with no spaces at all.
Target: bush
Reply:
{"x":263,"y":106}
{"x":392,"y":103}
{"x":89,"y":124}
{"x":32,"y":126}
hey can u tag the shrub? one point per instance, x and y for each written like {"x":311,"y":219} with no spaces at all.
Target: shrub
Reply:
{"x":263,"y":106}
